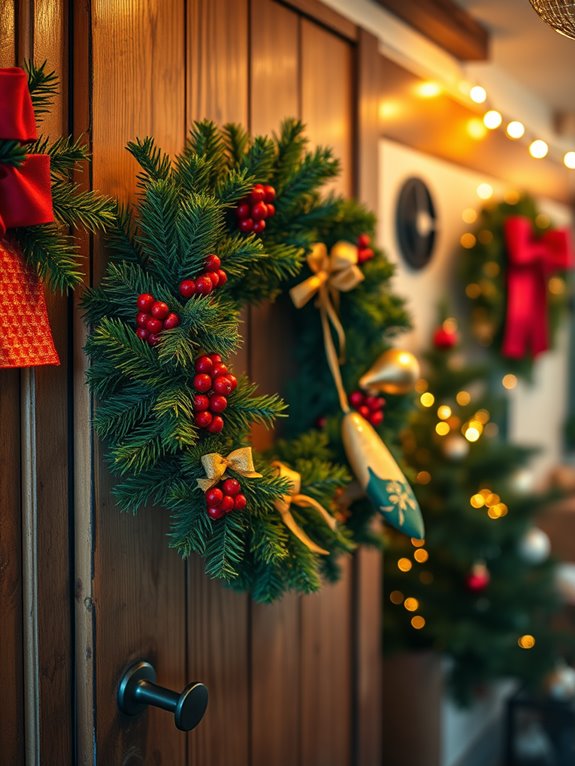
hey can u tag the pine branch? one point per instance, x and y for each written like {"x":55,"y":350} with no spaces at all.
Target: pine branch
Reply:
{"x":43,"y":87}
{"x":12,"y":153}
{"x":65,"y":153}
{"x":77,"y":208}
{"x":155,"y":164}
{"x":51,"y":253}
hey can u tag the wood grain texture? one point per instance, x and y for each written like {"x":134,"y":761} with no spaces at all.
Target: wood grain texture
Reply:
{"x":218,"y":650}
{"x":326,"y":631}
{"x":7,"y":33}
{"x":324,"y":15}
{"x":139,"y":584}
{"x":445,"y":23}
{"x":367,"y":566}
{"x":275,"y":637}
{"x":54,"y":565}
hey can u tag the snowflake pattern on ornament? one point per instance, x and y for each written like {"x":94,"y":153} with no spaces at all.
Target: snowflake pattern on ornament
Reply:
{"x":402,"y":499}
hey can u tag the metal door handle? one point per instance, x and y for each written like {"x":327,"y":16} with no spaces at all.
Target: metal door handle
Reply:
{"x":137,"y":690}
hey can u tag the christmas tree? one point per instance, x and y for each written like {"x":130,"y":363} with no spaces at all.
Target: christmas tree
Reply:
{"x":480,"y":588}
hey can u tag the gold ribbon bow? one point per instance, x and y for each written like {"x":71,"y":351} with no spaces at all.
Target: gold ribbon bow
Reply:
{"x":303,"y":501}
{"x":215,"y":465}
{"x":332,"y":273}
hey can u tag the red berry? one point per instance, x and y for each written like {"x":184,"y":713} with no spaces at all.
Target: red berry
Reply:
{"x":216,"y":425}
{"x":222,"y":385}
{"x":233,"y":380}
{"x":204,"y":364}
{"x":374,"y":403}
{"x":216,"y":513}
{"x":214,"y":276}
{"x":376,"y":418}
{"x":142,"y":319}
{"x":142,"y":333}
{"x":364,"y":240}
{"x":201,"y":402}
{"x":443,"y":338}
{"x":240,"y":502}
{"x":365,"y":255}
{"x":202,"y":382}
{"x":227,"y":504}
{"x":154,"y":325}
{"x":259,"y":210}
{"x":259,"y":226}
{"x":356,"y":399}
{"x":204,"y":285}
{"x":160,"y":310}
{"x":223,"y":277}
{"x":144,"y":302}
{"x":271,"y":210}
{"x":243,"y":210}
{"x":216,"y":358}
{"x":231,"y":487}
{"x":269,"y":193}
{"x":364,"y":411}
{"x":246,"y":225}
{"x":203,"y":419}
{"x":257,"y":194}
{"x":219,"y":369}
{"x":171,"y":321}
{"x":212,"y":263}
{"x":214,"y":496}
{"x":153,"y":339}
{"x":187,"y":288}
{"x":218,"y":403}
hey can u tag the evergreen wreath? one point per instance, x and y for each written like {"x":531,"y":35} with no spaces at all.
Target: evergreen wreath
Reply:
{"x":165,"y":322}
{"x":486,"y":265}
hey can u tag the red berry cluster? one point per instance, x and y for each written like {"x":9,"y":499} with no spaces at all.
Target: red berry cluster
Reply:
{"x":364,"y":251}
{"x":255,"y":208}
{"x":225,"y":498}
{"x":213,"y":276}
{"x":153,"y":317}
{"x":369,"y":407}
{"x":214,"y":384}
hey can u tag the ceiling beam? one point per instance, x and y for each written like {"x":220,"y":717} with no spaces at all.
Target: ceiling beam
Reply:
{"x":446,"y":24}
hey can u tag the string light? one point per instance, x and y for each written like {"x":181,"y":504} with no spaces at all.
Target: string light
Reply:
{"x":417,"y":543}
{"x":478,"y":94}
{"x":492,"y":119}
{"x":484,"y":191}
{"x":538,"y":149}
{"x":411,"y":604}
{"x":468,"y":240}
{"x":442,"y":429}
{"x":515,"y":129}
{"x":482,"y":416}
{"x":418,"y":622}
{"x":477,"y":500}
{"x":404,"y":565}
{"x":469,"y":215}
{"x":569,"y":160}
{"x":421,"y":555}
{"x":444,"y":412}
{"x":396,"y":597}
{"x":427,"y":399}
{"x":509,"y":381}
{"x":473,"y":290}
{"x":423,"y":477}
{"x":527,"y":641}
{"x":428,"y":89}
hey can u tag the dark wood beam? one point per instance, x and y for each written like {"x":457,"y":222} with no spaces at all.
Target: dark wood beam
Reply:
{"x":446,"y":24}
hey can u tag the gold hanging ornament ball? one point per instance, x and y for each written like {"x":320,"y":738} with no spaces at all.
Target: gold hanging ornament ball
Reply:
{"x":559,"y":14}
{"x":394,"y":372}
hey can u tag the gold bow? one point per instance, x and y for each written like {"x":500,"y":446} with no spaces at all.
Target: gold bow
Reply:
{"x":332,"y":273}
{"x":215,"y":465}
{"x":303,"y":501}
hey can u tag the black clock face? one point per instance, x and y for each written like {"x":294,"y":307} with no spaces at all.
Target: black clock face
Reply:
{"x":416,"y":223}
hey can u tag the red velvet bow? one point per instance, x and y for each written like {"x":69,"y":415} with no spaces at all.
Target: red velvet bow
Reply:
{"x":25,"y":192}
{"x":530,"y":263}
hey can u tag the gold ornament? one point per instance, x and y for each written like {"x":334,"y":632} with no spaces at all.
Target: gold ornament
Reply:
{"x":455,"y":447}
{"x":303,"y":501}
{"x":380,"y":477}
{"x":215,"y":465}
{"x":394,"y":372}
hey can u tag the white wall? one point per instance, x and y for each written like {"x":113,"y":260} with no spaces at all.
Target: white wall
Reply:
{"x":537,"y":412}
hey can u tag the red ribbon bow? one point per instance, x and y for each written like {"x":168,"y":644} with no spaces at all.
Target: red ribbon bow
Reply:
{"x":25,"y":192}
{"x":530,"y":263}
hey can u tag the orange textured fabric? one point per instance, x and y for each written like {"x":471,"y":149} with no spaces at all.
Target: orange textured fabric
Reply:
{"x":25,"y":335}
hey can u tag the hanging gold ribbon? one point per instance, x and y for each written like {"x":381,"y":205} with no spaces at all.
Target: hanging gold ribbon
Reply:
{"x":215,"y":465}
{"x":303,"y":501}
{"x":332,"y":273}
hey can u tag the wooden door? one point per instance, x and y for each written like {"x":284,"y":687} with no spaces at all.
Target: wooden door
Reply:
{"x":293,"y":683}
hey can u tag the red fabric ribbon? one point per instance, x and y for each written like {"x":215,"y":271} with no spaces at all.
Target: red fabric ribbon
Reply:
{"x":530,"y":263}
{"x":25,"y":192}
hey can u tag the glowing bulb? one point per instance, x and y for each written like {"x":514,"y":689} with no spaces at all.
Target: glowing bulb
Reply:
{"x":418,"y":622}
{"x":515,"y":129}
{"x":421,"y":555}
{"x":538,"y":149}
{"x":492,"y":119}
{"x":427,"y":399}
{"x":556,"y":286}
{"x":476,"y":129}
{"x":396,"y":597}
{"x":411,"y":604}
{"x":482,"y":416}
{"x":428,"y":89}
{"x":463,"y":398}
{"x":423,"y":477}
{"x":404,"y":565}
{"x":417,"y":543}
{"x":469,"y":215}
{"x":444,"y":412}
{"x":442,"y":429}
{"x":472,"y":434}
{"x":569,"y":160}
{"x":527,"y":641}
{"x":468,"y":240}
{"x":509,"y":381}
{"x":477,"y":501}
{"x":484,"y":191}
{"x":478,"y":94}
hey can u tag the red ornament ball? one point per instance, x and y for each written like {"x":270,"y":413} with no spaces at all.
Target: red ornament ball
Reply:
{"x":227,"y":504}
{"x":443,"y":338}
{"x":216,"y":512}
{"x":171,"y":321}
{"x":269,"y":193}
{"x":240,"y":502}
{"x":257,"y":194}
{"x":376,"y":418}
{"x":212,"y":263}
{"x":356,"y":399}
{"x":201,"y":402}
{"x":204,"y":363}
{"x":364,"y":240}
{"x":204,"y":285}
{"x":214,"y":496}
{"x":478,"y":579}
{"x":203,"y":419}
{"x":222,"y":385}
{"x":145,"y":302}
{"x":187,"y":288}
{"x":246,"y":225}
{"x":154,"y":325}
{"x":259,"y":210}
{"x":202,"y":382}
{"x":259,"y":226}
{"x":218,"y":403}
{"x":231,"y":487}
{"x":160,"y":310}
{"x":216,"y":358}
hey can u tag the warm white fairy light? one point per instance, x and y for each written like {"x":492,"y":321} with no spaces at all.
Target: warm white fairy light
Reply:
{"x":538,"y":149}
{"x":569,"y":160}
{"x":492,"y":119}
{"x":478,"y":94}
{"x":515,"y":129}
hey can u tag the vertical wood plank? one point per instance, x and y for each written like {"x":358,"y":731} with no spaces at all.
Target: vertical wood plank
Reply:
{"x":368,"y":583}
{"x":49,"y":19}
{"x":326,"y":636}
{"x":218,"y":652}
{"x":7,"y":33}
{"x":275,"y":628}
{"x":139,"y":584}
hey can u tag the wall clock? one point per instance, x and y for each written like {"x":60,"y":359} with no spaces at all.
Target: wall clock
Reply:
{"x":416,"y":223}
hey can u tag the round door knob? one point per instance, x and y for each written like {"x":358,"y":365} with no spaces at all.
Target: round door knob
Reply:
{"x":137,"y":690}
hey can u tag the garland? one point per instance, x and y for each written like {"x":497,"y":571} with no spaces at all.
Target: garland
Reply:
{"x":513,"y":267}
{"x":39,"y":203}
{"x":231,"y":222}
